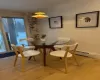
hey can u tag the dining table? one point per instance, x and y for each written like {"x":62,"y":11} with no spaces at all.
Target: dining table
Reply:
{"x":44,"y":45}
{"x":47,"y":45}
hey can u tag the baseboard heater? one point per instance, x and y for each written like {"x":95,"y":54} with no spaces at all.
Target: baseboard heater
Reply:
{"x":81,"y":53}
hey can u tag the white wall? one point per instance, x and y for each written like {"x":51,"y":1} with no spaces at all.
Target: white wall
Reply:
{"x":88,"y":38}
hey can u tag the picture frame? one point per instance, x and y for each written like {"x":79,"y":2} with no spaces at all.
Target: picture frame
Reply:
{"x":56,"y":22}
{"x":87,"y":20}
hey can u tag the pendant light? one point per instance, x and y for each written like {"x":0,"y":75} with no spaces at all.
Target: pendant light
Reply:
{"x":39,"y":15}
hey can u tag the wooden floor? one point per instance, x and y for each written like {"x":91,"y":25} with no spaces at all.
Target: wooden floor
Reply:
{"x":89,"y":69}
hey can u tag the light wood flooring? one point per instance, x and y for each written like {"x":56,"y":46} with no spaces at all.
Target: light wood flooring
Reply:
{"x":89,"y":69}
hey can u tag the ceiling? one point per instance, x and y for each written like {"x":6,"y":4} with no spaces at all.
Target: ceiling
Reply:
{"x":28,"y":5}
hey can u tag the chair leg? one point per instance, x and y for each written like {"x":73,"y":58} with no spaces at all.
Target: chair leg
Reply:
{"x":30,"y":58}
{"x":66,"y":65}
{"x":60,"y":49}
{"x":49,"y":50}
{"x":23,"y":64}
{"x":40,"y":50}
{"x":60,"y":58}
{"x":75,"y":60}
{"x":34,"y":58}
{"x":15,"y":61}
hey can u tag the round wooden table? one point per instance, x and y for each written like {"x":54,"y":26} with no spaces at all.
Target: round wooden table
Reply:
{"x":44,"y":45}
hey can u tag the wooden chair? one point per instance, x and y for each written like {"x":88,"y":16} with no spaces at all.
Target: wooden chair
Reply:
{"x":23,"y":54}
{"x":69,"y":52}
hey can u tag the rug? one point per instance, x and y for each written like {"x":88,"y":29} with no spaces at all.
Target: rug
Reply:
{"x":7,"y":54}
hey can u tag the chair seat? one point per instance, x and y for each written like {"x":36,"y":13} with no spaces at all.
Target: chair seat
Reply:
{"x":60,"y":53}
{"x":29,"y":53}
{"x":59,"y":46}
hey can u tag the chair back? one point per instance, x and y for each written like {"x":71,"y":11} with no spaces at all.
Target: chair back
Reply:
{"x":30,"y":39}
{"x":18,"y":49}
{"x":27,"y":39}
{"x":14,"y":49}
{"x":63,"y":39}
{"x":71,"y":48}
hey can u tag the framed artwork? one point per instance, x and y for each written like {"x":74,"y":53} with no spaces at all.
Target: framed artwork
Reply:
{"x":87,"y":20}
{"x":55,"y":22}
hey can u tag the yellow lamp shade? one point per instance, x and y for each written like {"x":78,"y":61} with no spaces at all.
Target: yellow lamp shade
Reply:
{"x":40,"y":15}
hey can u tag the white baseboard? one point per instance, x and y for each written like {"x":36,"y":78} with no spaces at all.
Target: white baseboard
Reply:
{"x":94,"y":55}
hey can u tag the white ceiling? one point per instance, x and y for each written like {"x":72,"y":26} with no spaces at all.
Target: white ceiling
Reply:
{"x":29,"y":5}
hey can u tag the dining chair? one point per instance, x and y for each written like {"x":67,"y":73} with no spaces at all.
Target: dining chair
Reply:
{"x":23,"y":54}
{"x":69,"y":52}
{"x":61,"y":42}
{"x":29,"y":46}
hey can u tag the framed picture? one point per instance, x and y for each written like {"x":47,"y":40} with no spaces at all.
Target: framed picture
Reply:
{"x":87,"y":20}
{"x":55,"y":22}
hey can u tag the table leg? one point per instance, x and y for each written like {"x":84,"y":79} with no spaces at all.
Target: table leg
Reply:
{"x":44,"y":56}
{"x":32,"y":56}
